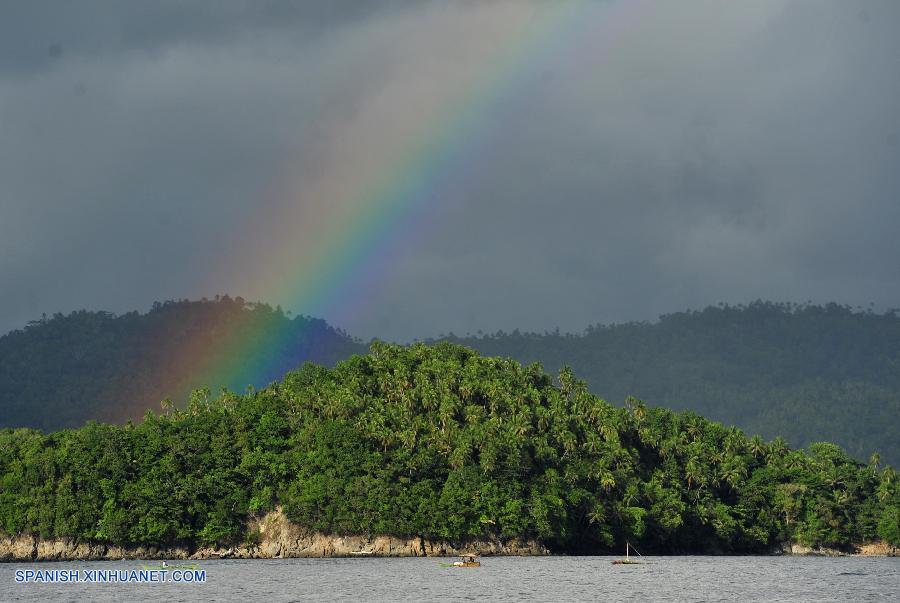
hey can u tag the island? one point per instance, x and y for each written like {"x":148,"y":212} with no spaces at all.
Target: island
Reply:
{"x":430,"y":450}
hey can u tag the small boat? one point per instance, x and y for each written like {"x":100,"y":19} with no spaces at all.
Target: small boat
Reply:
{"x":627,"y":560}
{"x":466,"y":561}
{"x":362,"y":553}
{"x":166,"y":566}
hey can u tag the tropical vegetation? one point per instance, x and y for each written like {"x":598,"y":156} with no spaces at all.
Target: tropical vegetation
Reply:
{"x":438,"y":441}
{"x":806,"y":373}
{"x":803,"y":372}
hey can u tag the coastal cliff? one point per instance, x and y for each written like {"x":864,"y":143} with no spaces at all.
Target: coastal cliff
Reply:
{"x":275,"y":537}
{"x":872,"y":549}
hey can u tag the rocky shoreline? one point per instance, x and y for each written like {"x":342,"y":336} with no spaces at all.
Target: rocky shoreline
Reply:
{"x":872,"y":549}
{"x":277,"y":538}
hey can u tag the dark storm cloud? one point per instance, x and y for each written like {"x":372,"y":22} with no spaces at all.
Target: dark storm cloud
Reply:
{"x":36,"y":34}
{"x":692,"y":153}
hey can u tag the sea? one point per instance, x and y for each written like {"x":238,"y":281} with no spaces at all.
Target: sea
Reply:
{"x":793,"y":579}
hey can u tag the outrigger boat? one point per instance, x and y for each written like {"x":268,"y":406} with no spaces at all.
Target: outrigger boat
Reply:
{"x":466,"y":561}
{"x":627,"y":560}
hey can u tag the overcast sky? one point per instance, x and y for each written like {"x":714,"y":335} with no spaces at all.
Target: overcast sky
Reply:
{"x":631,"y":160}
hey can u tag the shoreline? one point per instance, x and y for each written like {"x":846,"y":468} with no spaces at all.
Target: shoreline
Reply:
{"x":276,"y":537}
{"x":279,"y":538}
{"x":27,"y":549}
{"x":35,"y":549}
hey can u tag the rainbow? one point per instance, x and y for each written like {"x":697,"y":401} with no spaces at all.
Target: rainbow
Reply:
{"x":334,"y":241}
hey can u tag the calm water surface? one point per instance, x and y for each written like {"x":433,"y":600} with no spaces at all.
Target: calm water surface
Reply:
{"x":791,"y":579}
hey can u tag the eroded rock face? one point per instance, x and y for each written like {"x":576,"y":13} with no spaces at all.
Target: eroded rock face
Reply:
{"x":879,"y":549}
{"x":872,"y":549}
{"x":32,"y":548}
{"x":278,"y":538}
{"x":18,"y":548}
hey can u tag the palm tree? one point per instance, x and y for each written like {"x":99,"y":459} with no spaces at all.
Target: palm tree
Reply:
{"x":692,"y":473}
{"x":757,"y":447}
{"x":733,"y":474}
{"x":597,"y":514}
{"x":607,"y":480}
{"x":693,"y":430}
{"x":636,"y":407}
{"x":874,"y":461}
{"x":777,"y":449}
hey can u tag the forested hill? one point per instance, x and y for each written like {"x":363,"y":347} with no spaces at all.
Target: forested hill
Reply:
{"x":438,"y":442}
{"x":804,"y":372}
{"x":64,"y":370}
{"x":807,"y":373}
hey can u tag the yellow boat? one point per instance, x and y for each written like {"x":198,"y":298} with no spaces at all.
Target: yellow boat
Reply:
{"x":467,"y":561}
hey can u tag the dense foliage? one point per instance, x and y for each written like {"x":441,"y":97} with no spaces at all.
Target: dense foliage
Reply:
{"x":440,"y":442}
{"x":806,"y":373}
{"x":64,"y":370}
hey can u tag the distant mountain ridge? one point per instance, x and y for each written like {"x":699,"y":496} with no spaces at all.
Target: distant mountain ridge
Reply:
{"x":805,"y":372}
{"x":64,"y":370}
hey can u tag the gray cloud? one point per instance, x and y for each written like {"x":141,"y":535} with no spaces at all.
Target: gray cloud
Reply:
{"x":649,"y":157}
{"x":36,"y":35}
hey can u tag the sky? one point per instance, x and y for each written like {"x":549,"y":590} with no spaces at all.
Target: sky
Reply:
{"x":408,"y":169}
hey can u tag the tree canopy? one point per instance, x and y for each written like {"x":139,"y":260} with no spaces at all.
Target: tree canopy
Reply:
{"x":803,"y":372}
{"x":438,"y":441}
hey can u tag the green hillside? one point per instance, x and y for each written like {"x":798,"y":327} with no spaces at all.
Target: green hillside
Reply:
{"x":64,"y":370}
{"x":806,"y":373}
{"x":440,"y":442}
